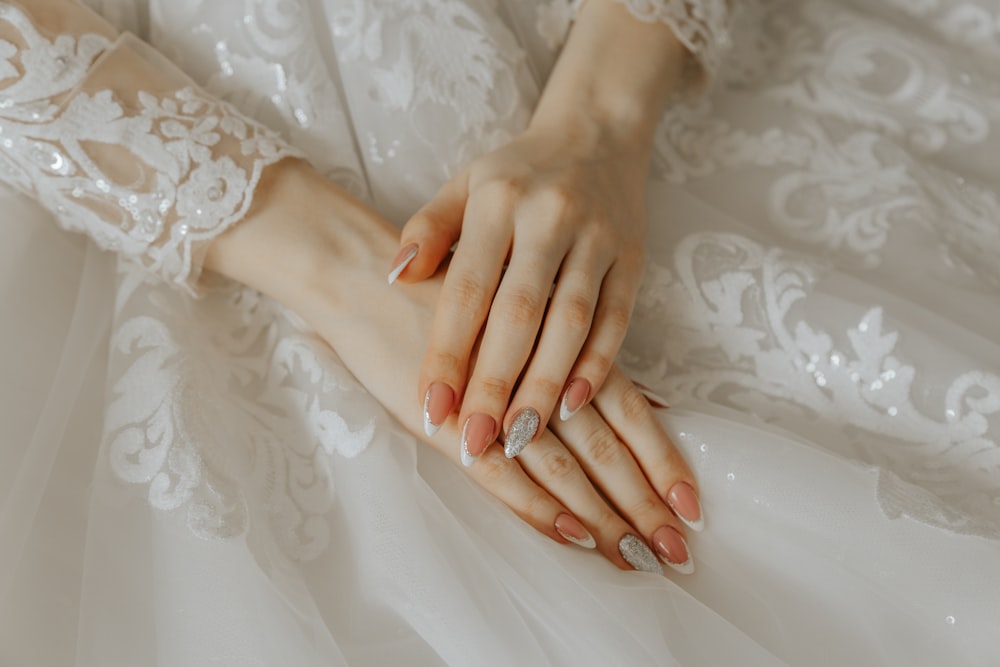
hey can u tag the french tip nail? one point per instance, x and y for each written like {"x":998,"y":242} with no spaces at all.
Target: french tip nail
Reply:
{"x":696,"y":526}
{"x":402,"y":263}
{"x":430,"y":429}
{"x":564,"y":412}
{"x":467,"y":459}
{"x":521,"y":432}
{"x":588,"y":543}
{"x":687,"y":567}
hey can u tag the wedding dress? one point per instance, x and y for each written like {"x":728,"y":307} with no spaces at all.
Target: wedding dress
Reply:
{"x":199,"y":481}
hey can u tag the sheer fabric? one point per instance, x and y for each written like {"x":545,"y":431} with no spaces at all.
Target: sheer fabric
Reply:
{"x":200,"y":481}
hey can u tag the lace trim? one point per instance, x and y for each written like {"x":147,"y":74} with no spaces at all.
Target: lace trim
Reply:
{"x":702,"y":26}
{"x":120,"y":145}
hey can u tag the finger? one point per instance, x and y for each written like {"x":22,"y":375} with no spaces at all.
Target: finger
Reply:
{"x":610,"y":464}
{"x":628,"y":410}
{"x":566,"y":327}
{"x":554,"y":467}
{"x":466,"y":295}
{"x":507,"y":481}
{"x":509,"y":337}
{"x":607,"y":332}
{"x":428,"y":236}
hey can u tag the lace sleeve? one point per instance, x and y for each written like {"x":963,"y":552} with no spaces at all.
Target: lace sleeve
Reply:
{"x":701,"y":25}
{"x":121,"y":145}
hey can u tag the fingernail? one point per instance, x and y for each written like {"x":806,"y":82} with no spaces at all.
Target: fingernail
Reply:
{"x":477,"y":434}
{"x":673,"y":550}
{"x":438,"y":402}
{"x":652,"y":397}
{"x":574,"y":397}
{"x":522,"y":430}
{"x":684,"y":501}
{"x":573,"y":531}
{"x":638,"y":555}
{"x":402,"y":260}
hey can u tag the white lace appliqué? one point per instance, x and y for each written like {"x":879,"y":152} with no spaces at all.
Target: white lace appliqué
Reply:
{"x":154,"y":177}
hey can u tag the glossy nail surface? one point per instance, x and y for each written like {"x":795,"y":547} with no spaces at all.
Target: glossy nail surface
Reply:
{"x":402,"y":260}
{"x":574,"y":398}
{"x":638,"y":555}
{"x":438,"y":402}
{"x":673,"y":550}
{"x":521,"y":432}
{"x":573,"y":531}
{"x":684,"y":501}
{"x":477,"y":434}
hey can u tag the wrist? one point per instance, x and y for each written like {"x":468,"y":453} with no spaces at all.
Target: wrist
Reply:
{"x":303,"y":234}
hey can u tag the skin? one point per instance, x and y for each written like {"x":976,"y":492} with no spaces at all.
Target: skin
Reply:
{"x":318,"y":250}
{"x":565,"y":202}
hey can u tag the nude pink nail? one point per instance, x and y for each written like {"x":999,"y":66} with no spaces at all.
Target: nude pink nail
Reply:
{"x":438,"y":403}
{"x":684,"y":501}
{"x":573,"y":531}
{"x":673,"y":550}
{"x":574,"y":398}
{"x":402,"y":260}
{"x":477,"y":434}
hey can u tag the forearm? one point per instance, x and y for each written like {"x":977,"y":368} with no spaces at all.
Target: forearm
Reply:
{"x":613,"y":78}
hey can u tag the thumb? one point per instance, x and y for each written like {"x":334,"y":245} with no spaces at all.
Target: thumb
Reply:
{"x":428,"y":236}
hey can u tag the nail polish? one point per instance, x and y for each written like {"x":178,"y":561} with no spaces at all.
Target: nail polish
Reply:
{"x":438,"y":402}
{"x":573,"y":531}
{"x":684,"y":502}
{"x":638,"y":555}
{"x":574,"y":398}
{"x":477,"y":434}
{"x":402,"y":260}
{"x":521,"y":432}
{"x":673,"y":550}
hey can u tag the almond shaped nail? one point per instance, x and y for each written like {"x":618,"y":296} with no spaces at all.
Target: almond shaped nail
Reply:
{"x":673,"y":550}
{"x":402,"y":261}
{"x":574,"y":398}
{"x":521,"y":432}
{"x":638,"y":555}
{"x":573,"y":531}
{"x":684,"y":502}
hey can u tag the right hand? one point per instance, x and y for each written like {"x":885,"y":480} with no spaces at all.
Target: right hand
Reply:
{"x":321,"y":252}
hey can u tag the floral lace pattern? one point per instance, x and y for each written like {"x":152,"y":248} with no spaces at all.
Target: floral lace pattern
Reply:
{"x":155,"y":177}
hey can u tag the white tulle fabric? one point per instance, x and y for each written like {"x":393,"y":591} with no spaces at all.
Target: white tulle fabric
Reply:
{"x":200,"y":481}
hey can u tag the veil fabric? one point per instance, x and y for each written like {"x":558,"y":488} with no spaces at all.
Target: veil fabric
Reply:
{"x":201,"y":482}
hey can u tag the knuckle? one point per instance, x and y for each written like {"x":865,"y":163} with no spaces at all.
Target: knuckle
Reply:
{"x":578,"y":311}
{"x":560,"y":198}
{"x":645,"y":506}
{"x":503,"y":190}
{"x":468,"y":293}
{"x":547,"y":387}
{"x":603,"y":447}
{"x":491,"y":470}
{"x":558,"y":466}
{"x":618,"y":315}
{"x":600,"y":363}
{"x":522,"y":306}
{"x":634,"y":405}
{"x":535,"y":504}
{"x":441,"y":363}
{"x":494,"y":389}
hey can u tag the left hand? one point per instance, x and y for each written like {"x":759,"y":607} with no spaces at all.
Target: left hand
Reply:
{"x":567,"y":207}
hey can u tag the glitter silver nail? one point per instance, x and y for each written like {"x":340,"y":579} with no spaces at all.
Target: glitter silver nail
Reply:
{"x":521,"y":432}
{"x":638,"y":555}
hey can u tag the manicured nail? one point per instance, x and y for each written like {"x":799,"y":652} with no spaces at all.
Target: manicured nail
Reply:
{"x":673,"y":550}
{"x":477,"y":434}
{"x":654,"y":399}
{"x":437,"y":405}
{"x":684,"y":501}
{"x":574,"y":397}
{"x":402,"y":260}
{"x":522,"y":430}
{"x":573,"y":531}
{"x":638,"y":555}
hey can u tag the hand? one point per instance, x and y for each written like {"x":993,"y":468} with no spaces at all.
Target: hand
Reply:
{"x":565,"y":210}
{"x":324,"y":251}
{"x":564,"y":203}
